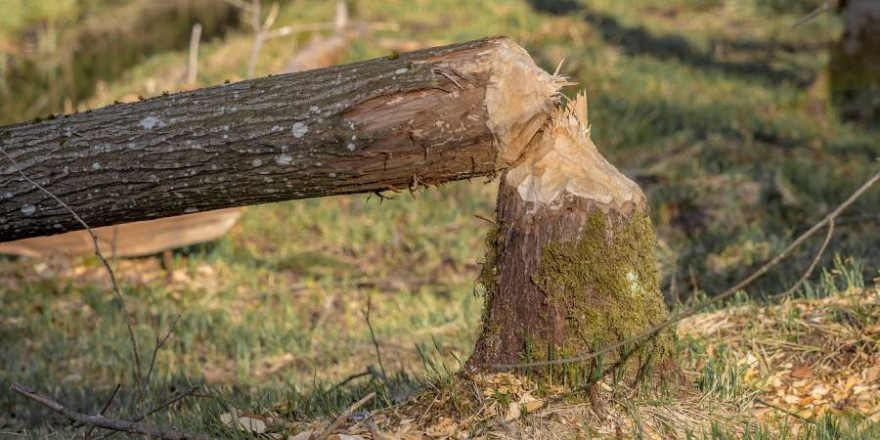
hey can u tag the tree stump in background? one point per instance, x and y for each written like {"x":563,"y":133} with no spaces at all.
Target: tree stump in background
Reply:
{"x":570,"y":266}
{"x":855,"y":63}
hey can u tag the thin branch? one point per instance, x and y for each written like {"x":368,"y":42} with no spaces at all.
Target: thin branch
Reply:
{"x":812,"y":267}
{"x":116,"y":290}
{"x":104,"y":422}
{"x":260,"y":32}
{"x":785,"y":411}
{"x":348,"y":379}
{"x":803,"y":20}
{"x":174,"y":399}
{"x":192,"y":67}
{"x":373,"y":334}
{"x":110,"y":400}
{"x":344,"y":416}
{"x":717,"y":299}
{"x":258,"y":36}
{"x":103,"y":409}
{"x":159,"y":344}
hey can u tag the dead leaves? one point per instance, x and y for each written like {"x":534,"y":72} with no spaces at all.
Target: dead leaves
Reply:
{"x":808,"y":357}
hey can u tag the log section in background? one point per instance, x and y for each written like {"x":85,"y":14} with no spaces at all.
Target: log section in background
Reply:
{"x":425,"y":117}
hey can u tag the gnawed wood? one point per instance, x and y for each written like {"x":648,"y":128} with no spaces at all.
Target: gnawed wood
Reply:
{"x":570,"y":266}
{"x":425,"y":117}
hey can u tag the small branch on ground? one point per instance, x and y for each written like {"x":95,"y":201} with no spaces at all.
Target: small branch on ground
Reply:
{"x":100,"y":421}
{"x":103,"y":410}
{"x":104,"y":422}
{"x":100,"y":255}
{"x":715,"y":300}
{"x":344,"y":416}
{"x":174,"y":399}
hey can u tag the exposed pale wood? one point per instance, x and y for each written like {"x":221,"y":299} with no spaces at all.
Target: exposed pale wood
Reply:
{"x":425,"y":117}
{"x":131,"y":239}
{"x":571,"y":264}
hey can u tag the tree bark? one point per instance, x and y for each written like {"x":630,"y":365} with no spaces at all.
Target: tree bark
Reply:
{"x":426,"y":117}
{"x":855,"y":63}
{"x":570,"y":266}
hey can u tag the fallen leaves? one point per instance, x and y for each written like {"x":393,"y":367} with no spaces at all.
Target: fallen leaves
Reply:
{"x":245,"y":421}
{"x":806,"y":356}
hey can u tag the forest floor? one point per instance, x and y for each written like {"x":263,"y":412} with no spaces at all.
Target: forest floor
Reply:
{"x":718,"y":108}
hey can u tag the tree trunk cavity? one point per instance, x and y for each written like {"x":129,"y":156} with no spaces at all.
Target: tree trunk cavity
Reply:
{"x":398,"y":122}
{"x":570,"y":266}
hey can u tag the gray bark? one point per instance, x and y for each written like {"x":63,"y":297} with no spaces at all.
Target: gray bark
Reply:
{"x":390,"y":123}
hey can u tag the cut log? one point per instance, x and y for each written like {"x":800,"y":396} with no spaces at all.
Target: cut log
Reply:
{"x":425,"y":117}
{"x":570,"y":266}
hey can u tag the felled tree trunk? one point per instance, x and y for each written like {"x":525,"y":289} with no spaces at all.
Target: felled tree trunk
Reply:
{"x":570,"y":266}
{"x":421,"y":118}
{"x":855,"y":63}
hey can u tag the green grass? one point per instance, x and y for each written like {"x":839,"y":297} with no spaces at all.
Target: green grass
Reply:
{"x":714,"y":107}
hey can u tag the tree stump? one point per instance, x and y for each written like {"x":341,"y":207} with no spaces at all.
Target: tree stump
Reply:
{"x":570,"y":266}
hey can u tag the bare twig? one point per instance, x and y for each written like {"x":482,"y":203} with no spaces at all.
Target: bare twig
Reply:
{"x":348,"y":379}
{"x":171,"y":401}
{"x":344,"y":416}
{"x":110,"y":400}
{"x":717,"y":299}
{"x":815,"y":13}
{"x":260,"y":31}
{"x":103,"y":409}
{"x":483,"y":218}
{"x":812,"y":267}
{"x":785,"y":411}
{"x":159,"y":344}
{"x":192,"y":67}
{"x":100,"y":255}
{"x":373,"y":334}
{"x":104,"y":422}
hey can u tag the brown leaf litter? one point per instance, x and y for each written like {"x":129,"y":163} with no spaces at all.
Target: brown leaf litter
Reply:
{"x":806,"y":356}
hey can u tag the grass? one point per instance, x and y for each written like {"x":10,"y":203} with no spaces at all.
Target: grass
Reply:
{"x":717,"y":108}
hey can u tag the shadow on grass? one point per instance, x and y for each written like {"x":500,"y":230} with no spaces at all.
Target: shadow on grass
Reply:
{"x":639,"y":41}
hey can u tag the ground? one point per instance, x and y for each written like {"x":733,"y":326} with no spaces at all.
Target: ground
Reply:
{"x":716,"y":107}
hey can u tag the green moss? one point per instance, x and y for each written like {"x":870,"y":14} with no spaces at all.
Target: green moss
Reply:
{"x":489,"y":280}
{"x":489,"y":271}
{"x":608,"y":285}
